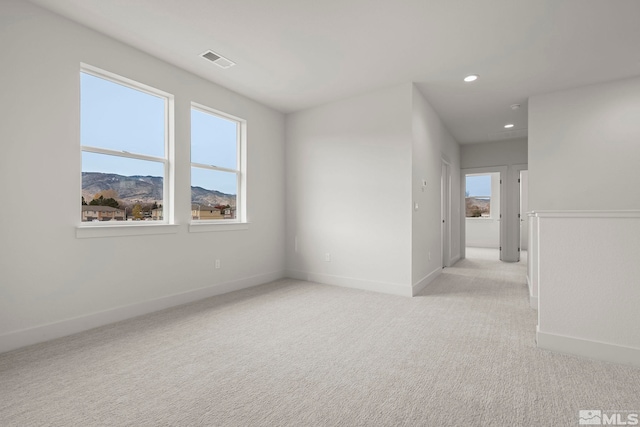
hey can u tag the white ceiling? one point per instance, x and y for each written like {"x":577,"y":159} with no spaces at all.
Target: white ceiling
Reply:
{"x":295,"y":54}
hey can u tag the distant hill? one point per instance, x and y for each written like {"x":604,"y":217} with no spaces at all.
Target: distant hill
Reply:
{"x":482,"y":206}
{"x":144,"y":189}
{"x":205,"y":197}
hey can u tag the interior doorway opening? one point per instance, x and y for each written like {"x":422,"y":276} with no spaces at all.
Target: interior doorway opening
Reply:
{"x":483,"y":207}
{"x":523,"y":193}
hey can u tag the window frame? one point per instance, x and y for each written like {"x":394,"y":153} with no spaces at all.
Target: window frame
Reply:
{"x":167,"y":161}
{"x":240,"y":220}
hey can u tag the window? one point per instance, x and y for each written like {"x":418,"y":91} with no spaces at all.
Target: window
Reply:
{"x":478,"y":195}
{"x":216,"y":166}
{"x":124,"y":134}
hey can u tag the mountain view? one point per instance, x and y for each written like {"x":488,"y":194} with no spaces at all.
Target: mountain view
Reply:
{"x":477,"y":207}
{"x":143,"y":190}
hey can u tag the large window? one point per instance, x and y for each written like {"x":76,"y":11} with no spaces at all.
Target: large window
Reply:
{"x":216,"y":166}
{"x":478,"y":196}
{"x":124,"y":134}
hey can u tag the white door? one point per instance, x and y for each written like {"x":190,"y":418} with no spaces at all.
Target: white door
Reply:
{"x":445,"y":200}
{"x":524,"y":208}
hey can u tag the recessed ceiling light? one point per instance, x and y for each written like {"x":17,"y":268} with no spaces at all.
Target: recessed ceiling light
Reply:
{"x":471,"y":78}
{"x":509,"y":126}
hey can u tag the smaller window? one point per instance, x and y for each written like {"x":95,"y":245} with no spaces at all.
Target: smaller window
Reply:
{"x":478,"y":196}
{"x":217,"y":176}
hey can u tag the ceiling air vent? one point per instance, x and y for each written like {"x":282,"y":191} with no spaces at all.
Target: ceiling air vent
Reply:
{"x":218,"y":59}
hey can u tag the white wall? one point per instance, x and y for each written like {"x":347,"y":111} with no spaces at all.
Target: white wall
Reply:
{"x":589,"y":291}
{"x":511,"y":154}
{"x":583,"y":148}
{"x":533,"y":267}
{"x":49,"y":276}
{"x":349,"y":192}
{"x":354,"y":170}
{"x":482,"y":233}
{"x":432,"y":143}
{"x":584,"y":156}
{"x":498,"y":153}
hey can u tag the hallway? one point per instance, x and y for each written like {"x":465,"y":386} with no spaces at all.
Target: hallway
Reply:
{"x":488,"y":312}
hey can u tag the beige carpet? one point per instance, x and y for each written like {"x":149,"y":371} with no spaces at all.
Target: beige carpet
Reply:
{"x":292,"y":353}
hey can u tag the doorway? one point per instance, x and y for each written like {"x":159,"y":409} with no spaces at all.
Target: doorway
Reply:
{"x":523,"y":180}
{"x":484,"y":205}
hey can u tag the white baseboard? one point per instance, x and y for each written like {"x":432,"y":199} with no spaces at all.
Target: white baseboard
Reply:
{"x":22,"y":338}
{"x":422,"y":283}
{"x":350,"y":282}
{"x":453,"y":260}
{"x":590,"y":349}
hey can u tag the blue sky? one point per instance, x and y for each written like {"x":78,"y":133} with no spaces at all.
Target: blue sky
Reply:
{"x":119,"y":118}
{"x":213,"y":142}
{"x":479,"y":185}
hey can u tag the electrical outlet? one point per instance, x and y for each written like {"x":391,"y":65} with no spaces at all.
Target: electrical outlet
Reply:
{"x":217,"y":264}
{"x":429,"y":256}
{"x":327,"y":257}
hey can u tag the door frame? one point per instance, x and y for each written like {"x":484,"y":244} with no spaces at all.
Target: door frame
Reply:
{"x":445,"y":213}
{"x":503,"y":170}
{"x":517,"y":169}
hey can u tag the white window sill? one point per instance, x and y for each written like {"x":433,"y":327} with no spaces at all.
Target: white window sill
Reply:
{"x":87,"y":231}
{"x":206,"y":227}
